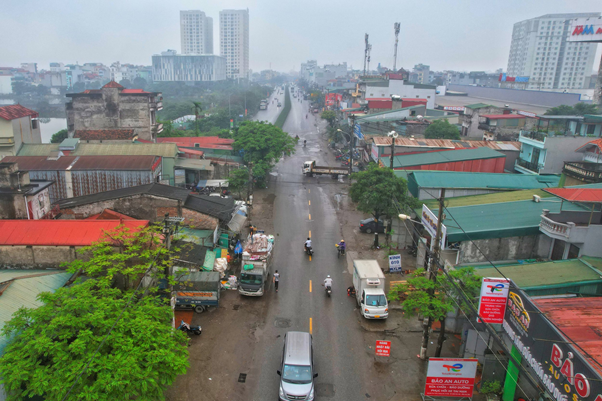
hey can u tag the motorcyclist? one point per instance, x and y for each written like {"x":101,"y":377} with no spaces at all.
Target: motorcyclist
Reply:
{"x":307,"y":244}
{"x":328,"y":282}
{"x":304,"y":142}
{"x":341,"y":245}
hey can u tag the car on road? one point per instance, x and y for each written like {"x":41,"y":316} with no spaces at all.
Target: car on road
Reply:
{"x":297,"y":368}
{"x":369,"y":226}
{"x":279,"y":104}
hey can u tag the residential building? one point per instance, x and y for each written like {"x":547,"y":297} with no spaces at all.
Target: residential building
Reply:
{"x":308,"y":69}
{"x":482,"y":160}
{"x":505,"y":126}
{"x":380,"y":87}
{"x":18,"y":125}
{"x":170,"y":66}
{"x":420,"y":74}
{"x":539,"y":50}
{"x":471,"y":117}
{"x":20,"y":197}
{"x":107,"y":136}
{"x":6,"y":84}
{"x":339,"y":70}
{"x":114,"y":107}
{"x":589,"y":169}
{"x":84,"y":175}
{"x":234,"y":42}
{"x":196,"y":32}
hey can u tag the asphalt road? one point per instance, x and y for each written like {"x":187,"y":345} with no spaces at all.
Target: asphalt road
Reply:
{"x":271,"y":114}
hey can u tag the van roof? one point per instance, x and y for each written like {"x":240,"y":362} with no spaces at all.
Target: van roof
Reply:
{"x":298,"y":348}
{"x":368,"y":269}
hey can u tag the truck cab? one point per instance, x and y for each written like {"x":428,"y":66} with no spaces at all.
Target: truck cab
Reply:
{"x":369,"y":283}
{"x":308,"y":166}
{"x":374,"y":304}
{"x":251,"y":282}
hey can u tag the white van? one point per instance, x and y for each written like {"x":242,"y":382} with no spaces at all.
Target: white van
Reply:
{"x":297,"y":368}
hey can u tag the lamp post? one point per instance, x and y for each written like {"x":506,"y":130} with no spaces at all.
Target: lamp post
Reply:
{"x":393,"y":135}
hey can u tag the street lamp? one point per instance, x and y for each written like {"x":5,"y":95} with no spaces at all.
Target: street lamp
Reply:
{"x":405,"y":217}
{"x":393,"y":135}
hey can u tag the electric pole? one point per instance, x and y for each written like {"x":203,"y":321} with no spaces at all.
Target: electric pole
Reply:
{"x":351,"y":140}
{"x":432,"y":274}
{"x":393,"y":135}
{"x":396,"y":26}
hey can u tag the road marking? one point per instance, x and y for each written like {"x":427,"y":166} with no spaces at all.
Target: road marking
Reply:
{"x":309,"y":203}
{"x":309,"y":285}
{"x":310,"y":258}
{"x":309,"y":233}
{"x":310,"y":216}
{"x":309,"y":191}
{"x":310,"y":327}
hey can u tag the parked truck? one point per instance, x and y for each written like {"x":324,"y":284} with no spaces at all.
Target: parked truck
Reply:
{"x":256,"y":263}
{"x":310,"y":169}
{"x":369,"y":283}
{"x":196,"y":290}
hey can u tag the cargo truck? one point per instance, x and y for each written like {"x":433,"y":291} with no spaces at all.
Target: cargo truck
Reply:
{"x":256,"y":262}
{"x":310,"y":169}
{"x":196,"y":290}
{"x":369,"y":283}
{"x":263,"y":105}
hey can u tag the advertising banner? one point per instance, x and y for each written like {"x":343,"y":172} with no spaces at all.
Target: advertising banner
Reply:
{"x":450,"y":377}
{"x":454,"y":108}
{"x":429,"y":221}
{"x":560,"y":367}
{"x":357,"y":130}
{"x":383,"y":348}
{"x":394,"y":263}
{"x":585,"y":30}
{"x":492,"y":302}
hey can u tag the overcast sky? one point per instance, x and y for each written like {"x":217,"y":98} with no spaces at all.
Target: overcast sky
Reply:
{"x":445,"y":34}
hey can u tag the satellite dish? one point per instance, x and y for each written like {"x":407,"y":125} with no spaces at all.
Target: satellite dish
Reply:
{"x":419,"y":117}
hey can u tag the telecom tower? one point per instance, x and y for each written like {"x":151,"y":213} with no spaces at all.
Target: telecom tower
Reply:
{"x":397,"y":25}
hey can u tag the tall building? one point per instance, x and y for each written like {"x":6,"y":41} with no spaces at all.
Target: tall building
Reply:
{"x":234,"y":42}
{"x":170,"y":66}
{"x":196,"y":32}
{"x":540,"y":51}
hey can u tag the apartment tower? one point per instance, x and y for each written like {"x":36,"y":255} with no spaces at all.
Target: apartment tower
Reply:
{"x":196,"y":32}
{"x":540,"y":51}
{"x":234,"y":42}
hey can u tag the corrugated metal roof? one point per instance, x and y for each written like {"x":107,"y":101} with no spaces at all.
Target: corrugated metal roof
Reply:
{"x":445,"y":156}
{"x":579,"y":320}
{"x":37,"y":149}
{"x":456,"y":179}
{"x":59,"y":232}
{"x":477,"y":106}
{"x":80,"y":163}
{"x":102,"y":149}
{"x":502,"y":116}
{"x":194,"y":164}
{"x":192,"y":141}
{"x":24,"y":291}
{"x":584,"y":195}
{"x":446,"y":143}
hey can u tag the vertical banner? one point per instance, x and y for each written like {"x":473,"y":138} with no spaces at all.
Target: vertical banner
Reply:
{"x":394,"y":263}
{"x":492,"y":302}
{"x":450,"y":377}
{"x":383,"y":348}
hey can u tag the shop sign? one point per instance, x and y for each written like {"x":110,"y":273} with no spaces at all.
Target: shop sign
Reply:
{"x":526,"y":113}
{"x":450,"y":377}
{"x":454,"y":108}
{"x":559,"y":366}
{"x":429,"y":221}
{"x":383,"y":348}
{"x":492,"y":302}
{"x":394,"y":263}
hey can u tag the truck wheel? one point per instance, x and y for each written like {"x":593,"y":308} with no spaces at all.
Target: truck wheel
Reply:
{"x":199,"y":309}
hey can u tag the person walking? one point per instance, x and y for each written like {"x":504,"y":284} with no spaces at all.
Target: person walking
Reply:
{"x":276,"y":279}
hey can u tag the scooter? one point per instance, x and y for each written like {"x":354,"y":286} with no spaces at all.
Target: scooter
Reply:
{"x":186,"y":328}
{"x":309,"y":250}
{"x":340,"y":251}
{"x":328,"y":290}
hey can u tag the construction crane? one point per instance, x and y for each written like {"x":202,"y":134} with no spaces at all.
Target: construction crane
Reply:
{"x":397,"y":26}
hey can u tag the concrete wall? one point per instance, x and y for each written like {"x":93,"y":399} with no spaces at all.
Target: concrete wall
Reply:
{"x":509,"y":248}
{"x":593,"y":240}
{"x":32,"y":257}
{"x":540,"y":98}
{"x":560,"y":149}
{"x":470,"y":121}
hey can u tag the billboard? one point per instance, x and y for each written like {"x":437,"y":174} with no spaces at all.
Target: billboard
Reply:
{"x":429,"y":221}
{"x":586,"y":30}
{"x":333,"y":99}
{"x":492,"y":302}
{"x":506,"y":78}
{"x":560,"y":367}
{"x":450,"y":377}
{"x":454,"y":108}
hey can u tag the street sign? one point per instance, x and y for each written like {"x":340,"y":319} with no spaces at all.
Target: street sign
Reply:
{"x":357,"y":130}
{"x":450,"y":377}
{"x":383,"y":348}
{"x":429,"y":221}
{"x":394,"y":263}
{"x":493,"y":299}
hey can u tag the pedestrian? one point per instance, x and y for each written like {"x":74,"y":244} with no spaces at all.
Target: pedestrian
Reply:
{"x":276,"y":279}
{"x":252,"y":230}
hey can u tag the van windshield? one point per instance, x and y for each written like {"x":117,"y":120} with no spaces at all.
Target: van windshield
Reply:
{"x":297,"y":374}
{"x":250,"y":278}
{"x":376,"y":300}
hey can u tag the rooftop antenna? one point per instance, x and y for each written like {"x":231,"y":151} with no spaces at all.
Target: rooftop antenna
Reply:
{"x":369,"y":49}
{"x":365,"y":52}
{"x":397,"y":26}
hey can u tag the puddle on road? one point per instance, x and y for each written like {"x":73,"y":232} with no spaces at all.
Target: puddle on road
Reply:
{"x":338,"y":198}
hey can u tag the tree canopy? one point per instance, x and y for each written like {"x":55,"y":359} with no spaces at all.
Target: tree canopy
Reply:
{"x":578,"y":109}
{"x":59,"y":136}
{"x":442,"y":129}
{"x":238,"y":181}
{"x":376,"y":191}
{"x":330,"y":116}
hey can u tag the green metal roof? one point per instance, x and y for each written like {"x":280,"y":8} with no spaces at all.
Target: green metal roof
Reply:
{"x":593,"y":118}
{"x":553,"y":273}
{"x":359,"y":119}
{"x":24,"y":290}
{"x":69,"y":142}
{"x":37,"y":149}
{"x":494,"y":181}
{"x":477,"y":106}
{"x":441,"y":157}
{"x":102,"y":149}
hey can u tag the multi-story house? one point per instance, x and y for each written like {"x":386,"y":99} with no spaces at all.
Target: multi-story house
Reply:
{"x":113,"y":108}
{"x":18,"y":125}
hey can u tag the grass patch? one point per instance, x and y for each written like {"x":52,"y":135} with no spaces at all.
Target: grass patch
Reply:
{"x":285,"y":110}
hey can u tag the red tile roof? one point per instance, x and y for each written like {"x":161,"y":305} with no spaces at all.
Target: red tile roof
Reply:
{"x":109,"y":214}
{"x":15,"y":111}
{"x":60,"y":232}
{"x":578,"y":319}
{"x":100,"y":134}
{"x":502,"y":116}
{"x":113,"y":84}
{"x":191,"y":151}
{"x":585,"y":195}
{"x":81,"y":163}
{"x":595,"y":142}
{"x":126,"y":91}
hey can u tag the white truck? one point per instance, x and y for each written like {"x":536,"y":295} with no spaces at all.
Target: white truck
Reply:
{"x":369,"y":283}
{"x":256,"y":262}
{"x":263,"y":105}
{"x":310,"y":169}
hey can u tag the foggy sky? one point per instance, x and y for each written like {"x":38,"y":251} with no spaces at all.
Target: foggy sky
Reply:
{"x":445,"y":34}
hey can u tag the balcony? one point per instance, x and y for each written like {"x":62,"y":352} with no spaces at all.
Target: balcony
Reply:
{"x":7,"y":141}
{"x":157,"y":128}
{"x":586,"y":172}
{"x":534,"y":135}
{"x":487,"y":127}
{"x":156,"y":105}
{"x":532,"y":168}
{"x":568,"y":232}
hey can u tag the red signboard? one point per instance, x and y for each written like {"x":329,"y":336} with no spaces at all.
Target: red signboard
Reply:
{"x":450,"y":377}
{"x":383,"y":348}
{"x":492,"y":304}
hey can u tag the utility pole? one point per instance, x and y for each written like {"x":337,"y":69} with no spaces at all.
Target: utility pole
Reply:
{"x":393,"y":135}
{"x":250,"y":183}
{"x":365,"y":52}
{"x":351,"y":141}
{"x":369,"y":49}
{"x":432,"y":274}
{"x":396,"y":26}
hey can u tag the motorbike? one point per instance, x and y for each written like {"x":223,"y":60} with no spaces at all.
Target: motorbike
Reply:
{"x":328,"y":290}
{"x":186,"y":328}
{"x":309,"y":250}
{"x":413,"y":250}
{"x":340,"y":251}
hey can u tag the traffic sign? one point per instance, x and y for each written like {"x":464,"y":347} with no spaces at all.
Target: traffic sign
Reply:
{"x":383,"y":348}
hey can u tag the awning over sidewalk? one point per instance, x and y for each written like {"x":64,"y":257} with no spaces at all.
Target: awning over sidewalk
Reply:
{"x":213,"y":183}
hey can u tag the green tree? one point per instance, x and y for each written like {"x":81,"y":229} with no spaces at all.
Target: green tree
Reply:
{"x":79,"y":87}
{"x":139,"y":83}
{"x":50,"y":346}
{"x":262,"y":144}
{"x":330,"y":116}
{"x":562,"y":110}
{"x":585,"y":108}
{"x":442,"y":129}
{"x":238,"y":181}
{"x":126,"y":83}
{"x":434,"y":299}
{"x":59,"y":136}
